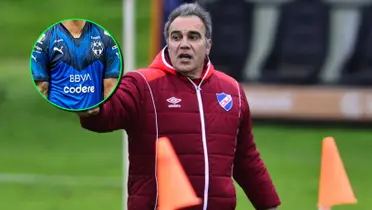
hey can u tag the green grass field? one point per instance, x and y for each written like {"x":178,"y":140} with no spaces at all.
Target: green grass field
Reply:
{"x":37,"y":138}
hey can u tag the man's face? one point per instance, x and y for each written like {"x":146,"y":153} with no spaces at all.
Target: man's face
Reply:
{"x":187,"y":45}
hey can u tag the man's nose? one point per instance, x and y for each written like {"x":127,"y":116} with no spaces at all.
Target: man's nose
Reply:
{"x":185,"y":43}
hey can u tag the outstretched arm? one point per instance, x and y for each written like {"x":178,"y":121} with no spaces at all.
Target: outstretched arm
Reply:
{"x":119,"y":111}
{"x":250,"y":171}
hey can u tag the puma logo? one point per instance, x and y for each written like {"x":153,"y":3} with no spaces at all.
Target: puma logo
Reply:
{"x":58,"y":50}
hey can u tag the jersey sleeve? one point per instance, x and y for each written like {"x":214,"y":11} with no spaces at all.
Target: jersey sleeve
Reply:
{"x":40,"y":59}
{"x":112,"y":61}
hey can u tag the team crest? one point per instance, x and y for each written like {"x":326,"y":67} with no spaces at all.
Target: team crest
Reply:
{"x":225,"y":101}
{"x":97,"y":48}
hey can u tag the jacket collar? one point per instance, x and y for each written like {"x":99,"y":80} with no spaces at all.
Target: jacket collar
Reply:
{"x":162,"y":62}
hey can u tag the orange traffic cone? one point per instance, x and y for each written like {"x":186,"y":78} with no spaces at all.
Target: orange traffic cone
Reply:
{"x":334,"y":188}
{"x":175,"y":190}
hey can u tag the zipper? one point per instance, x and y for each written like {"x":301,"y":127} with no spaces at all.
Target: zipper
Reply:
{"x":205,"y":149}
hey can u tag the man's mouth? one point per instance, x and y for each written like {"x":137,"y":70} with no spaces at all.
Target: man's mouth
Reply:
{"x":185,"y":57}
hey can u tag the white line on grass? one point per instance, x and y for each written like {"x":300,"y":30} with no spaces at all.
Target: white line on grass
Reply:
{"x":61,"y":180}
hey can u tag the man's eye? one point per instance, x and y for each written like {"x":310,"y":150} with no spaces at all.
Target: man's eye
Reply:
{"x":176,"y":37}
{"x":194,"y":37}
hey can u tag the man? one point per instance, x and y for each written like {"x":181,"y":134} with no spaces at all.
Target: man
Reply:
{"x":75,"y":64}
{"x":204,"y":112}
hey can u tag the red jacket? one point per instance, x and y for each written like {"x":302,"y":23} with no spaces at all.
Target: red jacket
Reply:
{"x":209,"y":127}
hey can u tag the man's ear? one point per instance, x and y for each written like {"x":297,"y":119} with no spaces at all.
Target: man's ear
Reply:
{"x":209,"y":46}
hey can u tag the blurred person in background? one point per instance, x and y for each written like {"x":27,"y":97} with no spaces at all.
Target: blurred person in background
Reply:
{"x":204,"y":112}
{"x":75,"y":64}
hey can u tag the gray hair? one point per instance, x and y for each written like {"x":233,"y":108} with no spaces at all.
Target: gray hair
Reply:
{"x":190,"y":9}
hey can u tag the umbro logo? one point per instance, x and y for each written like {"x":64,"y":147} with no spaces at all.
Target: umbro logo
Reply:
{"x":174,"y":102}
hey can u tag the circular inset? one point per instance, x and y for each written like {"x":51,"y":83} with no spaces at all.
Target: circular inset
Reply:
{"x":76,"y":64}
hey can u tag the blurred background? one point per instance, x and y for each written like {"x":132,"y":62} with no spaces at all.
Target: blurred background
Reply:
{"x":306,"y":66}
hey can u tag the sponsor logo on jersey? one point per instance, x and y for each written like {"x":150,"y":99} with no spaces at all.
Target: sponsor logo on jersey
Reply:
{"x":95,"y":37}
{"x":77,"y":89}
